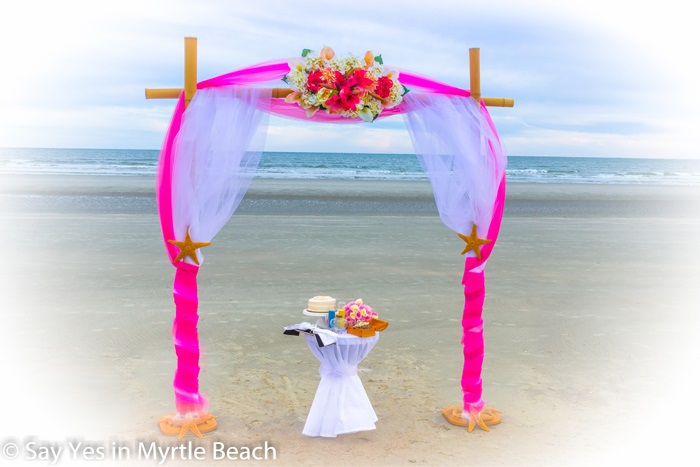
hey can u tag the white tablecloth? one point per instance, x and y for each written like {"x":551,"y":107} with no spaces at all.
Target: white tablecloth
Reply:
{"x":341,"y":404}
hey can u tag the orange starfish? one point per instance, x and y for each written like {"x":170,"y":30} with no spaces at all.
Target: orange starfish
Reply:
{"x":487,"y":416}
{"x":473,"y":242}
{"x":188,"y":247}
{"x":170,"y":425}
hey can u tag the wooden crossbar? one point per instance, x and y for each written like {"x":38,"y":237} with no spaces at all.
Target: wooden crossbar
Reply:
{"x":280,"y":93}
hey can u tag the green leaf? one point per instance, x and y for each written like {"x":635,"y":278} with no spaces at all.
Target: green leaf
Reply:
{"x":405,"y":90}
{"x":378,"y":59}
{"x":284,"y":78}
{"x":305,"y":52}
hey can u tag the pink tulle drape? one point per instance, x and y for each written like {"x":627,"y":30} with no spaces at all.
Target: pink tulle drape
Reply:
{"x":186,"y":384}
{"x":274,"y":71}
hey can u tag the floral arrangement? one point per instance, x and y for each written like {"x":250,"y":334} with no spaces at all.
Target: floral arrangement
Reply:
{"x":344,"y":86}
{"x":355,"y":314}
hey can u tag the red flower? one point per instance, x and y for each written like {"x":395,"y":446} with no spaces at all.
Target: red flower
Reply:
{"x":314,"y":81}
{"x":324,"y":78}
{"x":361,"y":80}
{"x":349,"y":89}
{"x":383,"y":88}
{"x":349,"y":98}
{"x":332,"y":78}
{"x":334,"y":103}
{"x":346,"y":99}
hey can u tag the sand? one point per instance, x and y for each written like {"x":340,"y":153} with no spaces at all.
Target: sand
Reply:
{"x":591,"y":320}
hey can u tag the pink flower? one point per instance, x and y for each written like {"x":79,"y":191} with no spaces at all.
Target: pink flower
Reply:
{"x":327,"y":53}
{"x":293,"y":97}
{"x":311,"y":111}
{"x":357,"y":311}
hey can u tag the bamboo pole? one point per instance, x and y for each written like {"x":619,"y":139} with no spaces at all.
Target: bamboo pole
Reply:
{"x":474,"y":74}
{"x":280,"y":93}
{"x":498,"y":101}
{"x":163,"y":93}
{"x":190,"y":68}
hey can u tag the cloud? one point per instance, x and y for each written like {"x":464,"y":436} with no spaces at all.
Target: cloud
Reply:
{"x":592,"y":71}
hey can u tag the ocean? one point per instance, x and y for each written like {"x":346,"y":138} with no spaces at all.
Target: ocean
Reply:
{"x":299,"y":165}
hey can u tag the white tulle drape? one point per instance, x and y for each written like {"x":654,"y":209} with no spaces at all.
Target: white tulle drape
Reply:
{"x":341,"y":404}
{"x":218,"y":149}
{"x":461,"y":154}
{"x":216,"y":156}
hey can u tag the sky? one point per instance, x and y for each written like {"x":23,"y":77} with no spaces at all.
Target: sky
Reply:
{"x":599,"y":78}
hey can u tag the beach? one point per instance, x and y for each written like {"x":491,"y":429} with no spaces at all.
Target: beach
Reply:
{"x":591,"y":319}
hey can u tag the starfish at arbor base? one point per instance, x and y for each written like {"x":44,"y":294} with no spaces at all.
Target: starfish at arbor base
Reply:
{"x":473,"y":242}
{"x":487,"y":416}
{"x":171,"y":425}
{"x":188,"y":248}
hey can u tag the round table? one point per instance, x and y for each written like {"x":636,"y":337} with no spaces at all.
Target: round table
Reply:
{"x":341,"y":404}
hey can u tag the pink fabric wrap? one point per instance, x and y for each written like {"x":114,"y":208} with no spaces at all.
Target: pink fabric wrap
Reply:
{"x":472,"y":322}
{"x":186,"y":382}
{"x":474,"y":295}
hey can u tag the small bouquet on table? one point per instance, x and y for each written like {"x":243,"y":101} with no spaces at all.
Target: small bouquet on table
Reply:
{"x":356,"y":318}
{"x":359,"y":319}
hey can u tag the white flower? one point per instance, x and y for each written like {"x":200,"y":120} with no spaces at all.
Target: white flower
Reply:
{"x":324,"y":94}
{"x":366,"y":114}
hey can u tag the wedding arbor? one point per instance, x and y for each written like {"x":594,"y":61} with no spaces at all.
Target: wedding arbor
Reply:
{"x":214,"y":143}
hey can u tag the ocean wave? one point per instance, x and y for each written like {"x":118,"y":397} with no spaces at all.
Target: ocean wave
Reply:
{"x":347,"y":166}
